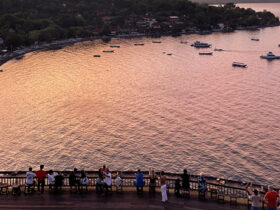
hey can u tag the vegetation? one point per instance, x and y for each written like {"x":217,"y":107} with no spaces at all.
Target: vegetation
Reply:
{"x":25,"y":22}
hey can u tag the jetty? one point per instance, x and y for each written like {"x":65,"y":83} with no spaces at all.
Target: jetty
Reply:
{"x":222,"y":194}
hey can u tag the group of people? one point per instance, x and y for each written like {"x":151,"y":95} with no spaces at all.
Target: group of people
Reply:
{"x":271,"y":197}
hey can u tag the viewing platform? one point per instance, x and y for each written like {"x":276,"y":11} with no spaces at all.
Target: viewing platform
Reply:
{"x":222,"y":194}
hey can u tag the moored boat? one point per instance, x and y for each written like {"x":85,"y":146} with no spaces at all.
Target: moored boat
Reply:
{"x":198,"y":44}
{"x":205,"y":53}
{"x":270,"y":56}
{"x":139,"y":44}
{"x":108,"y":51}
{"x":255,"y":39}
{"x":157,"y":42}
{"x":115,"y":46}
{"x":216,"y":49}
{"x":97,"y":56}
{"x":238,"y":64}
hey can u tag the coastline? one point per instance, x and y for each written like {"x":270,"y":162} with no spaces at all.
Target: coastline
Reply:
{"x":58,"y":44}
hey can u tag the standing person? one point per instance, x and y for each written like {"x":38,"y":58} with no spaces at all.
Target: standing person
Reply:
{"x":255,"y":198}
{"x":29,"y":179}
{"x":162,"y":180}
{"x":51,"y":179}
{"x":152,"y":185}
{"x":185,"y":180}
{"x":108,"y":179}
{"x":271,"y":198}
{"x":202,"y":187}
{"x":74,"y":180}
{"x":104,"y":168}
{"x":41,"y":174}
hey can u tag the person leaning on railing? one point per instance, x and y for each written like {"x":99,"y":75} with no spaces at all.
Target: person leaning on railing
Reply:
{"x":74,"y":181}
{"x":41,"y":174}
{"x":152,"y":185}
{"x":30,"y":179}
{"x":51,"y":179}
{"x":139,"y":183}
{"x":202,"y":187}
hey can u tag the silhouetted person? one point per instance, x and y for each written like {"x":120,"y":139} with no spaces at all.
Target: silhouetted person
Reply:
{"x":41,"y":174}
{"x":73,"y":179}
{"x":185,"y":180}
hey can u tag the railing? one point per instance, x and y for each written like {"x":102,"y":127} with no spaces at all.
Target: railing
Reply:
{"x":228,"y":188}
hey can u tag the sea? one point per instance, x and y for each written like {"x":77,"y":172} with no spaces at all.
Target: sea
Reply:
{"x":142,"y":108}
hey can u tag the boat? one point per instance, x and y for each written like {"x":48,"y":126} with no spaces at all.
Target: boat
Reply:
{"x":169,"y":54}
{"x":205,"y":53}
{"x":216,"y":49}
{"x":108,"y":51}
{"x":198,"y":44}
{"x":238,"y":64}
{"x":97,"y":56}
{"x":255,"y":39}
{"x":158,"y":42}
{"x":183,"y":42}
{"x":115,"y":46}
{"x":1,"y":70}
{"x":270,"y":56}
{"x":278,"y":45}
{"x":139,"y":44}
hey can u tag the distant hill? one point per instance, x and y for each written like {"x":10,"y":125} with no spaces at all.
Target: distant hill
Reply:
{"x":235,"y":1}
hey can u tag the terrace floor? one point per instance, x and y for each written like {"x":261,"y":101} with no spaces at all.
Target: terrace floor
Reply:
{"x":91,"y":200}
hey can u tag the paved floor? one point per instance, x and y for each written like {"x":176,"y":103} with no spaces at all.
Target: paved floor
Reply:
{"x":90,"y":200}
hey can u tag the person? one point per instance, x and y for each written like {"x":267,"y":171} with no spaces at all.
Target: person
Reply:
{"x":177,"y":188}
{"x":104,"y":168}
{"x":99,"y":182}
{"x":29,"y":179}
{"x":84,"y":178}
{"x":118,"y":181}
{"x":108,"y":179}
{"x":202,"y":188}
{"x":41,"y":174}
{"x":58,"y":180}
{"x":139,"y":183}
{"x":73,"y":180}
{"x":162,"y":180}
{"x":51,"y":179}
{"x":271,"y":198}
{"x":185,"y":180}
{"x":255,"y":198}
{"x":152,"y":185}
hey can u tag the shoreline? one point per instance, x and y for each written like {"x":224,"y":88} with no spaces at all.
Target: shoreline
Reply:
{"x":58,"y":44}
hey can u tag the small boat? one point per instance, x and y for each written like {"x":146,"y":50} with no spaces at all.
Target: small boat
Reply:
{"x":108,"y":51}
{"x":97,"y":56}
{"x":183,"y":42}
{"x":238,"y":64}
{"x":158,"y":42}
{"x":205,"y":53}
{"x":169,"y":54}
{"x":198,"y":44}
{"x":1,"y":70}
{"x":270,"y":56}
{"x":140,"y":44}
{"x":255,"y":39}
{"x":115,"y":46}
{"x":216,"y":49}
{"x":278,"y":45}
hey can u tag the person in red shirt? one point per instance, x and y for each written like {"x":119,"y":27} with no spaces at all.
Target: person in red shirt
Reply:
{"x":41,"y":174}
{"x":271,"y":198}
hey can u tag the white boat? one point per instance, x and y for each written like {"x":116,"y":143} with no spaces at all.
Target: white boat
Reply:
{"x":108,"y":51}
{"x":198,"y":44}
{"x":216,"y":49}
{"x":158,"y":42}
{"x":115,"y":46}
{"x":205,"y":53}
{"x":238,"y":64}
{"x":270,"y":56}
{"x":97,"y":56}
{"x":140,"y":44}
{"x":255,"y":39}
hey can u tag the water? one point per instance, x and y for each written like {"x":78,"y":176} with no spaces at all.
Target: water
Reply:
{"x":139,"y":108}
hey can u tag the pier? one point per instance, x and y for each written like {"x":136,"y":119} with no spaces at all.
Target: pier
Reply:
{"x":222,"y":194}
